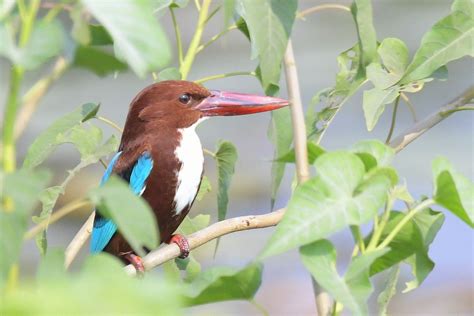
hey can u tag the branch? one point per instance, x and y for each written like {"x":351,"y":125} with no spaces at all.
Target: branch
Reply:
{"x":421,"y":127}
{"x":171,"y":251}
{"x":78,"y":241}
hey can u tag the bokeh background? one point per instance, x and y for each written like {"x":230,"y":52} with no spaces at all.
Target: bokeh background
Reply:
{"x":317,"y":41}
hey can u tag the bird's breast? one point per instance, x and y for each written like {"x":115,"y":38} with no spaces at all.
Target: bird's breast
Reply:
{"x":189,"y":154}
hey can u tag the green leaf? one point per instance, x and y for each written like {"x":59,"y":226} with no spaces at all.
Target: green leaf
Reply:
{"x":204,"y":188}
{"x":98,"y":61}
{"x":51,"y":267}
{"x":394,"y":55}
{"x":374,"y":104}
{"x":411,"y":244}
{"x":354,"y":289}
{"x":131,"y":214}
{"x":453,"y":191}
{"x":192,"y":225}
{"x":224,"y":283}
{"x":80,"y":28}
{"x":89,"y":143}
{"x":46,"y":41}
{"x":379,"y":77}
{"x":314,"y":151}
{"x":362,"y":13}
{"x":226,"y":157}
{"x":382,"y":153}
{"x":171,"y":73}
{"x":229,"y":9}
{"x":99,"y":35}
{"x":281,"y":136}
{"x":5,"y":7}
{"x":342,"y":194}
{"x":269,"y":23}
{"x":21,"y":188}
{"x":449,"y":39}
{"x":48,"y":140}
{"x":127,"y":21}
{"x":389,"y":290}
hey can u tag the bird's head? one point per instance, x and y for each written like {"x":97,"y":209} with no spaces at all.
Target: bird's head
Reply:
{"x":180,"y":104}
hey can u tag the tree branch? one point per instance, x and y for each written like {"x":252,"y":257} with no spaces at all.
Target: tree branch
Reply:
{"x":78,"y":241}
{"x":199,"y":238}
{"x":422,"y":126}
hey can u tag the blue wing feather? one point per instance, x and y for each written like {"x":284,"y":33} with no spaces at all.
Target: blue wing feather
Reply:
{"x":104,"y":228}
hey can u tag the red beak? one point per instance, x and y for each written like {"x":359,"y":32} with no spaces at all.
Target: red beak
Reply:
{"x":221,"y":103}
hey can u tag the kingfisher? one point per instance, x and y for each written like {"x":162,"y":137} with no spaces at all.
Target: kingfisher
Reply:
{"x":161,"y":157}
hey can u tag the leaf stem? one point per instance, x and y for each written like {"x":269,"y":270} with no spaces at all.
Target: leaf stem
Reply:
{"x":198,"y":6}
{"x":462,"y":108}
{"x":405,"y":220}
{"x":209,"y":153}
{"x":109,"y":122}
{"x":329,"y":6}
{"x":63,"y":211}
{"x":378,"y":229}
{"x":409,"y":105}
{"x":357,"y":234}
{"x":191,"y":53}
{"x":226,"y":75}
{"x":177,"y":33}
{"x":394,"y":118}
{"x":215,"y":38}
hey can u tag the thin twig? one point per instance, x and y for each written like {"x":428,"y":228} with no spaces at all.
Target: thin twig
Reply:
{"x":421,"y":127}
{"x":216,"y":37}
{"x":109,"y":122}
{"x":323,"y":302}
{"x":226,"y":75}
{"x":177,"y":33}
{"x":78,"y":241}
{"x":33,"y":96}
{"x":410,"y":105}
{"x":199,"y":238}
{"x":394,"y":119}
{"x":329,"y":6}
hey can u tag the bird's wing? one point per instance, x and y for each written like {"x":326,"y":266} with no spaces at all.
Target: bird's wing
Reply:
{"x":105,"y":228}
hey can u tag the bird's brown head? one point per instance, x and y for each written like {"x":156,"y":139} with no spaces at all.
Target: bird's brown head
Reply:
{"x":180,"y":104}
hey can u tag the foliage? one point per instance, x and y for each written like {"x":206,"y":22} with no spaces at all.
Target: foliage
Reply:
{"x":350,"y":187}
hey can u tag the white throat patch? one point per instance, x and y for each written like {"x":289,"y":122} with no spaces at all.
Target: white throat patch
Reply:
{"x":189,"y":153}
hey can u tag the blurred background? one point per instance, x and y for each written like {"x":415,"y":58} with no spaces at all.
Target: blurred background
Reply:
{"x":317,"y":40}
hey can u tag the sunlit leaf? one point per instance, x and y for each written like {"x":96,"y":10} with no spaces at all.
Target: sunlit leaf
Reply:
{"x":269,"y":23}
{"x":374,"y":104}
{"x":48,"y":140}
{"x":342,"y":194}
{"x":127,"y":21}
{"x":394,"y":55}
{"x":314,"y":151}
{"x":131,"y":214}
{"x":453,"y":190}
{"x":389,"y":290}
{"x":382,"y":153}
{"x":449,"y":39}
{"x":354,"y":288}
{"x":97,"y":61}
{"x":362,"y":12}
{"x":223,"y":284}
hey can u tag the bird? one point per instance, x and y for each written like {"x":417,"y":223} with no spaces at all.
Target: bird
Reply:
{"x":161,"y":157}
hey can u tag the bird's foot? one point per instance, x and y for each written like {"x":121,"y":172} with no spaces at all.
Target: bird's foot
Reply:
{"x":182,"y":243}
{"x":136,"y":261}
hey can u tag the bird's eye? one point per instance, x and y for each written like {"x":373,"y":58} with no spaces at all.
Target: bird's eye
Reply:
{"x":184,"y":98}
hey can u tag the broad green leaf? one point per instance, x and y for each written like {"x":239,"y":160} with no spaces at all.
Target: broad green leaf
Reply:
{"x":204,"y":188}
{"x":223,"y":284}
{"x":314,"y":151}
{"x":98,"y":61}
{"x":382,"y":153}
{"x":449,"y":39}
{"x":99,"y":35}
{"x":100,"y":288}
{"x":229,"y":9}
{"x":389,"y":290}
{"x":127,"y":21}
{"x":281,"y":136}
{"x":374,"y":102}
{"x":269,"y":23}
{"x":354,"y":288}
{"x":226,"y":157}
{"x":379,"y":77}
{"x":411,"y":244}
{"x":453,"y":190}
{"x":131,"y":214}
{"x":48,"y":140}
{"x":80,"y":28}
{"x":89,"y":143}
{"x":18,"y":195}
{"x":394,"y":55}
{"x":51,"y":267}
{"x":192,"y":225}
{"x":362,"y":13}
{"x":341,"y":195}
{"x":171,"y":73}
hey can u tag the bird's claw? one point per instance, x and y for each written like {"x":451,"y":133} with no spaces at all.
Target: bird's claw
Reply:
{"x":182,"y":243}
{"x":136,"y":261}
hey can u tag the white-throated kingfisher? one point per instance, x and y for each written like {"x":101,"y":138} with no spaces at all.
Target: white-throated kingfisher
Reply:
{"x":161,"y":156}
